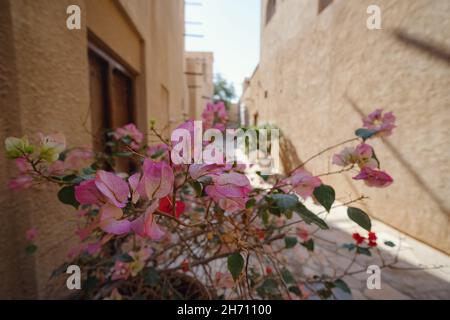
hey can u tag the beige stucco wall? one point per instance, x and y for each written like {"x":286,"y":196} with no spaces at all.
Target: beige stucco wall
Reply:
{"x":320,"y":73}
{"x":199,"y":78}
{"x":44,"y":87}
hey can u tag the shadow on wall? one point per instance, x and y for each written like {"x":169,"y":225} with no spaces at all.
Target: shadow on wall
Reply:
{"x":429,"y":47}
{"x":288,"y":155}
{"x":405,"y":163}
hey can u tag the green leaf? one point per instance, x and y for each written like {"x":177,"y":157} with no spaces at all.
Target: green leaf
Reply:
{"x":264,"y":177}
{"x":364,"y":251}
{"x":123,"y":154}
{"x":287,"y":276}
{"x":67,"y":196}
{"x":309,"y":244}
{"x":325,"y":195}
{"x":197,"y":186}
{"x":90,"y":283}
{"x":285,"y":201}
{"x":60,"y":270}
{"x":31,"y":249}
{"x":360,"y":217}
{"x":250,"y":203}
{"x":339,"y":283}
{"x":235,"y":264}
{"x":290,"y":242}
{"x":151,"y":277}
{"x":349,"y":246}
{"x":295,"y":290}
{"x":157,"y":154}
{"x":125,"y":257}
{"x":389,"y":244}
{"x":365,"y":133}
{"x":127,"y":140}
{"x":309,"y":217}
{"x":89,"y":171}
{"x":269,"y":286}
{"x":265,"y":217}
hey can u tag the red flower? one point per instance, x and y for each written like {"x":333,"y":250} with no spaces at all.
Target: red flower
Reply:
{"x":372,"y":244}
{"x":165,"y":205}
{"x":372,"y":239}
{"x":269,"y":270}
{"x":358,"y":238}
{"x":261,"y":234}
{"x":372,"y":236}
{"x":185,"y":266}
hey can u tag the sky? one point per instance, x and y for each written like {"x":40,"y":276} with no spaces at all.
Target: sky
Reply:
{"x":230,"y":29}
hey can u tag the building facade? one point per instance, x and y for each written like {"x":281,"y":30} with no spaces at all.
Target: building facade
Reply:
{"x":199,"y":74}
{"x":321,"y":69}
{"x":126,"y":62}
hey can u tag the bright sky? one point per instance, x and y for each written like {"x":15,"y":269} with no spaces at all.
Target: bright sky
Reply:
{"x":230,"y":29}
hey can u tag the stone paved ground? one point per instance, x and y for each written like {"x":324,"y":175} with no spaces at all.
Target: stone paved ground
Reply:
{"x":419,"y":272}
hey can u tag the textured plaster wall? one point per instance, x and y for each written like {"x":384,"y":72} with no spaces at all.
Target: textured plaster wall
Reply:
{"x":319,"y":73}
{"x":161,"y":25}
{"x":44,"y":87}
{"x":199,"y":68}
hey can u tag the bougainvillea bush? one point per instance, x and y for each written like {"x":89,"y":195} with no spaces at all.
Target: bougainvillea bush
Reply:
{"x":161,"y":230}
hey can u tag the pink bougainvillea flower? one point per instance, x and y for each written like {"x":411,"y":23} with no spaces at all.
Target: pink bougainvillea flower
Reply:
{"x":384,"y":124}
{"x":56,"y":168}
{"x":94,"y":248}
{"x":20,"y":183}
{"x":146,"y":226}
{"x":358,"y":238}
{"x":114,"y":188}
{"x":199,"y":170}
{"x":78,"y":158}
{"x":165,"y":205}
{"x":374,"y":178}
{"x":183,"y":139}
{"x":215,"y":116}
{"x":31,"y":234}
{"x":109,"y":220}
{"x":133,"y":181}
{"x":87,"y":193}
{"x":362,"y":155}
{"x":130,"y":130}
{"x":23,"y":165}
{"x":304,"y":183}
{"x":121,"y":271}
{"x":157,"y":180}
{"x":230,"y":191}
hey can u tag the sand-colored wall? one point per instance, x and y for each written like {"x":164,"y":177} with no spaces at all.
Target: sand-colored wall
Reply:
{"x":44,"y":87}
{"x":319,"y":74}
{"x":199,"y":78}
